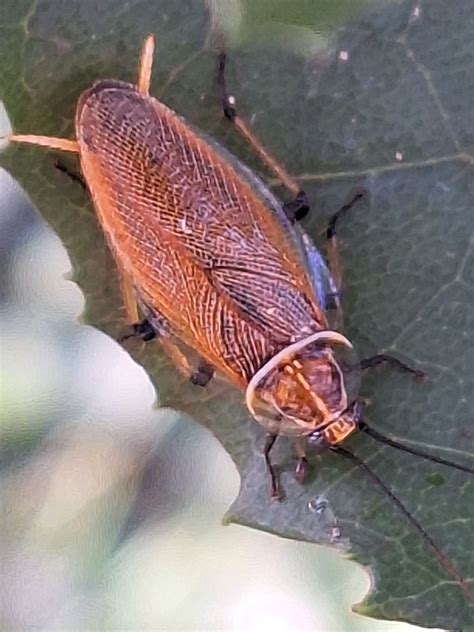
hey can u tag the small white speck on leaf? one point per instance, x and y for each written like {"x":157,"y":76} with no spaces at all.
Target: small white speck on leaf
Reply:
{"x":416,"y":12}
{"x":399,"y":156}
{"x":343,"y":55}
{"x":444,"y":187}
{"x":318,"y":505}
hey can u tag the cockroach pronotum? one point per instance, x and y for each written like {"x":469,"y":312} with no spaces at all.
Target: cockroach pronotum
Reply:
{"x":217,"y":265}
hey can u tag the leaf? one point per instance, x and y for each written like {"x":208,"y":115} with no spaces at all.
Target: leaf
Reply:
{"x":393,"y":113}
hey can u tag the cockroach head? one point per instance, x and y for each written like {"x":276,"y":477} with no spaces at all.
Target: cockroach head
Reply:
{"x":308,"y":385}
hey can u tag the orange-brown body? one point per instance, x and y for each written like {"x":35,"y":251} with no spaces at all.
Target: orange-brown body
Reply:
{"x":199,"y":243}
{"x":196,"y":235}
{"x":209,"y":255}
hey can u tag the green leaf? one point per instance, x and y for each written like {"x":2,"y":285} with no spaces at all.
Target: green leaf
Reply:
{"x":388,"y":106}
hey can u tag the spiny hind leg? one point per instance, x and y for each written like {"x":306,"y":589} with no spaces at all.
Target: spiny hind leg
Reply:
{"x":146,"y":65}
{"x":299,"y":207}
{"x":72,"y":146}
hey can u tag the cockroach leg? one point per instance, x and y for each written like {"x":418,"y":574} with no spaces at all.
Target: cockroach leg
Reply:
{"x":333,"y":301}
{"x":203,"y":375}
{"x":230,"y":112}
{"x":302,"y":466}
{"x":62,"y":144}
{"x":298,"y":208}
{"x":332,"y":247}
{"x":331,"y":229}
{"x":146,"y":65}
{"x":275,"y":490}
{"x":383,"y":358}
{"x":128,"y":295}
{"x":146,"y":331}
{"x":158,"y":325}
{"x":227,"y":101}
{"x":72,"y":175}
{"x":177,"y":356}
{"x":143,"y":330}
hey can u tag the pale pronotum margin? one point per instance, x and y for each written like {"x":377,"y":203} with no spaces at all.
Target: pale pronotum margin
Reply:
{"x":327,"y":334}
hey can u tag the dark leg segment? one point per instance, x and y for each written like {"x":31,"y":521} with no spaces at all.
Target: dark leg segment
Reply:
{"x":228,"y":102}
{"x":203,"y":375}
{"x":269,"y":443}
{"x":74,"y":176}
{"x":383,"y":358}
{"x":331,"y":229}
{"x":298,"y":208}
{"x":143,"y":331}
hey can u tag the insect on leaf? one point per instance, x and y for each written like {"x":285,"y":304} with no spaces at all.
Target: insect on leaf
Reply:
{"x":387,"y":106}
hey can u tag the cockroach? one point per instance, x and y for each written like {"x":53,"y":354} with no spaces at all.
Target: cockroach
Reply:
{"x":218,"y":265}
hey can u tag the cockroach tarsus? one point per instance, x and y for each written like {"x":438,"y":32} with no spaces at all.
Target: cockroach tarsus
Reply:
{"x":261,"y":318}
{"x":143,"y":330}
{"x":203,"y":374}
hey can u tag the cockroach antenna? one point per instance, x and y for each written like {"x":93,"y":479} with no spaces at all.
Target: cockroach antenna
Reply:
{"x":381,"y":438}
{"x":442,"y":559}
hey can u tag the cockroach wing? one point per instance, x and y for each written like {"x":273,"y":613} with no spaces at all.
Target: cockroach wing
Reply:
{"x":323,"y":284}
{"x":194,"y":232}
